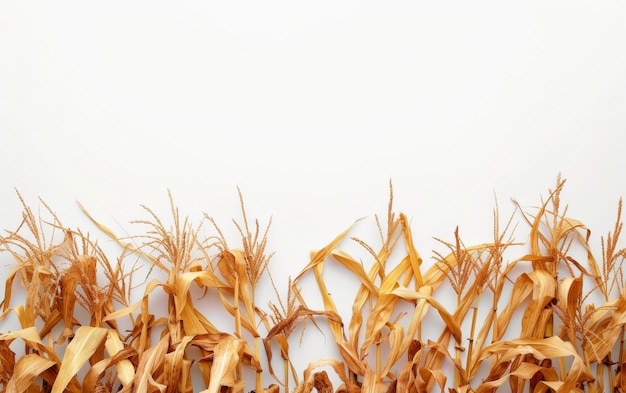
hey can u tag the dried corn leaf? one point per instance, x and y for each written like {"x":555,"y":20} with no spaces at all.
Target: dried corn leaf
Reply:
{"x":273,"y":388}
{"x":329,"y":303}
{"x":31,"y":338}
{"x":451,"y":322}
{"x":125,"y":369}
{"x":8,"y":287}
{"x":151,"y":286}
{"x":149,"y":361}
{"x":226,"y":355}
{"x":355,"y":268}
{"x":29,"y":334}
{"x":321,"y":382}
{"x":308,"y":382}
{"x":396,"y":348}
{"x":604,"y":333}
{"x":439,"y":347}
{"x":173,"y":367}
{"x":522,"y":289}
{"x":417,"y":316}
{"x":183,"y":283}
{"x":191,"y":324}
{"x":121,"y":312}
{"x":406,"y":378}
{"x":85,"y":343}
{"x":368,"y":292}
{"x":551,"y":347}
{"x":556,"y":386}
{"x":284,"y":351}
{"x":53,"y":319}
{"x":27,"y":368}
{"x":385,"y":305}
{"x":372,"y":383}
{"x":207,"y":343}
{"x":414,"y":256}
{"x":524,"y":371}
{"x":277,"y":332}
{"x":186,"y":382}
{"x":569,"y":292}
{"x":33,"y":297}
{"x":526,"y":363}
{"x":544,"y":291}
{"x":232,"y":265}
{"x":437,"y":375}
{"x":7,"y":362}
{"x":107,"y":231}
{"x":97,"y":370}
{"x":364,"y":295}
{"x":319,"y":256}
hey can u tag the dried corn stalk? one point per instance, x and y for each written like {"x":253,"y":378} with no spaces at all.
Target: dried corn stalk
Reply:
{"x":547,"y":319}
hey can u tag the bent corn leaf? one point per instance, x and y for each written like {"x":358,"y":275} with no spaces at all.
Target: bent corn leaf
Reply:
{"x":27,"y":369}
{"x":84,"y":344}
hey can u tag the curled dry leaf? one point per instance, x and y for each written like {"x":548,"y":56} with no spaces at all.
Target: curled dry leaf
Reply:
{"x":226,"y":355}
{"x":149,"y":361}
{"x":308,"y":382}
{"x":26,"y":370}
{"x":551,"y":347}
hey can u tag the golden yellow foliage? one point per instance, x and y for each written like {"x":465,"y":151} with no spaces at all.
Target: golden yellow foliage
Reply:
{"x":529,"y":322}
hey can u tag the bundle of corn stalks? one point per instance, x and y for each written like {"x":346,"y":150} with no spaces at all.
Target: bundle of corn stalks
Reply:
{"x":524,"y":324}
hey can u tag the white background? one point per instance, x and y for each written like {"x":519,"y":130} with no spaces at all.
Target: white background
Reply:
{"x":311,"y":108}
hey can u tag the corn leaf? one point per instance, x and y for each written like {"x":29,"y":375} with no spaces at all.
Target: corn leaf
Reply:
{"x":27,"y":368}
{"x":85,"y":343}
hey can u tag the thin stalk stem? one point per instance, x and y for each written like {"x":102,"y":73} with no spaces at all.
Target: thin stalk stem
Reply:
{"x":286,"y":371}
{"x":173,"y":325}
{"x":470,"y":346}
{"x":457,"y":373}
{"x":494,"y":310}
{"x":562,"y":368}
{"x":620,"y":358}
{"x":257,"y":354}
{"x":419,"y":332}
{"x":259,"y":374}
{"x":237,"y":321}
{"x":378,"y":356}
{"x":236,"y":306}
{"x":599,"y":382}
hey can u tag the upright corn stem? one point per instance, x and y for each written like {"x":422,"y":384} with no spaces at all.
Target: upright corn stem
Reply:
{"x":286,"y":374}
{"x":470,"y":346}
{"x":490,"y":272}
{"x":257,"y":353}
{"x":458,"y":268}
{"x":612,"y":277}
{"x":621,"y":356}
{"x":243,"y":268}
{"x":237,"y":318}
{"x":378,"y":341}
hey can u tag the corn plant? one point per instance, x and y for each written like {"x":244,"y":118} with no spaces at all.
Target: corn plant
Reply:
{"x":532,"y":310}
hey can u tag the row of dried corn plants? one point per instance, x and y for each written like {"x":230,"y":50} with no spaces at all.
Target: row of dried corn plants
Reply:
{"x":527,"y":324}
